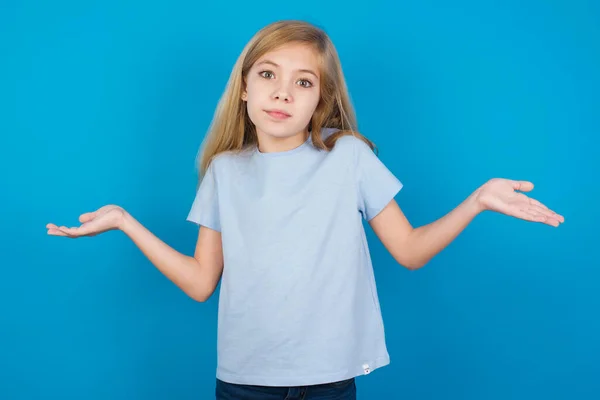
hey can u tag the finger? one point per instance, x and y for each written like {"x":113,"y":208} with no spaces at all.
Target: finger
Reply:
{"x":87,"y":229}
{"x":523,"y":186}
{"x":561,"y":217}
{"x":544,"y":216}
{"x":526,"y":214}
{"x":533,"y":216}
{"x":537,"y":203}
{"x":547,"y":212}
{"x":540,"y":206}
{"x":56,"y":232}
{"x":62,"y":230}
{"x":551,"y":221}
{"x":71,"y":231}
{"x":85,"y":217}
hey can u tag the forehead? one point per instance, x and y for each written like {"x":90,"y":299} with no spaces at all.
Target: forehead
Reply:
{"x":294,"y":56}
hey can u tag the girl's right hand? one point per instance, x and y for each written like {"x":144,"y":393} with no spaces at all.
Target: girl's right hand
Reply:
{"x":104,"y":219}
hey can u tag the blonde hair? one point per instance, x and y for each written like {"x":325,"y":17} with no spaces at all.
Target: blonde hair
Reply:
{"x":231,"y":128}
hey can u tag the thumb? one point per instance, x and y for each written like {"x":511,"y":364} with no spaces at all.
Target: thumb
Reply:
{"x":523,"y":186}
{"x":87,"y":217}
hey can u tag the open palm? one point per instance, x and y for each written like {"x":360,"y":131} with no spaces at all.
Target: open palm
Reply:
{"x":501,"y":195}
{"x":92,"y":223}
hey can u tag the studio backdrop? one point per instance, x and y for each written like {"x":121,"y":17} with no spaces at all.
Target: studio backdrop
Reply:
{"x":107,"y":102}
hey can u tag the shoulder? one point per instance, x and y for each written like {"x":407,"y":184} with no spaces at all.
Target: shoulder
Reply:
{"x":347,"y":153}
{"x":351,"y":141}
{"x":351,"y":145}
{"x":345,"y":140}
{"x":225,"y":161}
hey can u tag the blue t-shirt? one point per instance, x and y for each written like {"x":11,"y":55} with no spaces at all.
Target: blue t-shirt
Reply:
{"x":298,"y":303}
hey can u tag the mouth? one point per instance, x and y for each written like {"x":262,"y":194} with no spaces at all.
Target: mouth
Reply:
{"x":278,"y":114}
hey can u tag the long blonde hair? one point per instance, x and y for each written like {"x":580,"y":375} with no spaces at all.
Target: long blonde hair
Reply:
{"x":231,"y":128}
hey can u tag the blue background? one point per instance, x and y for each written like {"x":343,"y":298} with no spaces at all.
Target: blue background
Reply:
{"x":105,"y":102}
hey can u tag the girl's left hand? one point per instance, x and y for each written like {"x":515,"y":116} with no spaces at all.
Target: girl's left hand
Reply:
{"x":500,"y":195}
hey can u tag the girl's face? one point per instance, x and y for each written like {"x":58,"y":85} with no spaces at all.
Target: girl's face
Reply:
{"x":282,"y":92}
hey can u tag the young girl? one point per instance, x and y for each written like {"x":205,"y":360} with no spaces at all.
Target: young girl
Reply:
{"x":285,"y":181}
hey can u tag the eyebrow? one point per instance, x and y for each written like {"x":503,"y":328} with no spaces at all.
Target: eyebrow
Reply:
{"x":308,"y":71}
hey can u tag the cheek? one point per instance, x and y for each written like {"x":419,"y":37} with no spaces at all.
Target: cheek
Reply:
{"x":310,"y":102}
{"x":251,"y":95}
{"x":254,"y":104}
{"x":252,"y":108}
{"x":256,"y":93}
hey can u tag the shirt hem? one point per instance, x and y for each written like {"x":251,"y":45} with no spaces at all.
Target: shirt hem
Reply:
{"x":294,"y":380}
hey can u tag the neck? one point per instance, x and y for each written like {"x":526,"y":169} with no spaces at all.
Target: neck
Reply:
{"x":271,"y":144}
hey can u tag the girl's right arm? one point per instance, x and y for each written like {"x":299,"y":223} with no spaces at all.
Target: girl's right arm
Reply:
{"x":197,"y":276}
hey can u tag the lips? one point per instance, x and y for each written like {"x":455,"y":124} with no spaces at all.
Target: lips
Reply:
{"x":278,"y":114}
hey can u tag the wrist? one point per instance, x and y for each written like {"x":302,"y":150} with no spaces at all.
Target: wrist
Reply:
{"x":125,"y":221}
{"x":474,"y":202}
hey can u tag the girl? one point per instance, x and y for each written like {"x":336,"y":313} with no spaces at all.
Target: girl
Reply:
{"x":285,"y":181}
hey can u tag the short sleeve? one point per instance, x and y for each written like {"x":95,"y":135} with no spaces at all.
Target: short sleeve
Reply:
{"x":205,"y":207}
{"x":377,"y":185}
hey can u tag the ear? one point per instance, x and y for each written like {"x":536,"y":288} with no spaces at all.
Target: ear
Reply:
{"x":244,"y":95}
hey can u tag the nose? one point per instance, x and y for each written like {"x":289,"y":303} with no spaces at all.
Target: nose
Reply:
{"x":283,"y":97}
{"x":282,"y":93}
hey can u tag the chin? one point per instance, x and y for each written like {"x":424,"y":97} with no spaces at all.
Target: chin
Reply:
{"x":280,"y":131}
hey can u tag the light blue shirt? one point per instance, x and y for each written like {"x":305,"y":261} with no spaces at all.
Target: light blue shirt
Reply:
{"x":298,"y":303}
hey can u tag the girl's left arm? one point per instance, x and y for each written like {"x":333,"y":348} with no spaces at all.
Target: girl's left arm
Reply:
{"x":415,"y":247}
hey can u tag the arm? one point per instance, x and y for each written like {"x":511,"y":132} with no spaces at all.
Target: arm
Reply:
{"x":197,"y":276}
{"x":415,"y":247}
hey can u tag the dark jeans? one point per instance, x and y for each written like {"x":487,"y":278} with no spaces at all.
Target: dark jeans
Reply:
{"x":342,"y":390}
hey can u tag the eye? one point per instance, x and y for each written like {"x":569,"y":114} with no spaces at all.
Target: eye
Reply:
{"x":266,"y":74}
{"x":305,"y":83}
